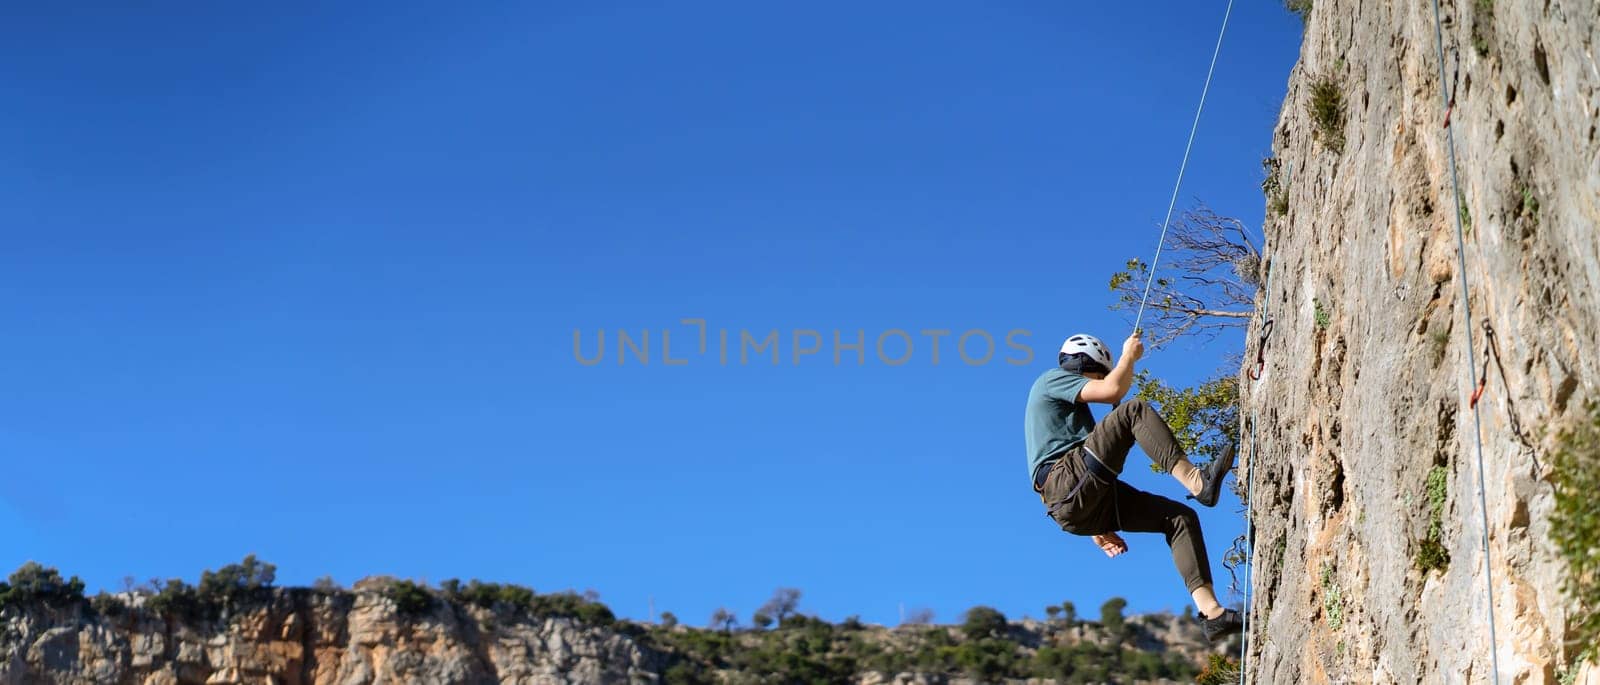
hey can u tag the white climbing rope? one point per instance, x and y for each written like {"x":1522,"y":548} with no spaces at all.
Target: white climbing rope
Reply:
{"x":1250,"y":484}
{"x":1183,"y":166}
{"x":1466,"y":311}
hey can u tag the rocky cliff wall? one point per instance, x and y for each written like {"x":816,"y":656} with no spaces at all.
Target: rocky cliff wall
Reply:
{"x":366,"y":636}
{"x":1365,"y":394}
{"x":302,"y":636}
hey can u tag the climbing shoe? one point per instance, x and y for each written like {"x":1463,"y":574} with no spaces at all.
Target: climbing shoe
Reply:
{"x":1214,"y":473}
{"x":1222,"y":626}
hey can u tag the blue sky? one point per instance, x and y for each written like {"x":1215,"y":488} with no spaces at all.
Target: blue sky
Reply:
{"x":303,"y":281}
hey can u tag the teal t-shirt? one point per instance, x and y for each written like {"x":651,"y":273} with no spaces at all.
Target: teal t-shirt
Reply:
{"x":1056,"y":421}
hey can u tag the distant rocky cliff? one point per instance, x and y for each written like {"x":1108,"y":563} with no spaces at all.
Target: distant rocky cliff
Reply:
{"x":306,"y":636}
{"x":232,"y":630}
{"x":1368,"y":553}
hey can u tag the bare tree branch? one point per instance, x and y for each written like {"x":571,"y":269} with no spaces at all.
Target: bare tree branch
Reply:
{"x":1206,"y":285}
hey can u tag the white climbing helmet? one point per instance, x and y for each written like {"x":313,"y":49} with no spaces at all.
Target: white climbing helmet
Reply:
{"x":1089,"y":345}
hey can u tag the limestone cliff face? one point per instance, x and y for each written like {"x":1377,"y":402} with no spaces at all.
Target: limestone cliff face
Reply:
{"x":1365,"y":391}
{"x":305,"y":637}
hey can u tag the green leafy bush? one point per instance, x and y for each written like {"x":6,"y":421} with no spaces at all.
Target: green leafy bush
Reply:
{"x":1203,"y":418}
{"x":1575,"y":524}
{"x":1483,"y":26}
{"x":489,"y":595}
{"x":237,"y":582}
{"x":981,"y":622}
{"x":33,"y":582}
{"x":1274,"y":188}
{"x":1320,"y":314}
{"x":108,"y":606}
{"x":1431,"y":554}
{"x":1326,"y":109}
{"x":594,"y":614}
{"x":1332,"y":600}
{"x":229,"y":586}
{"x":411,"y":599}
{"x":1111,"y":616}
{"x":1530,"y":204}
{"x":179,"y":599}
{"x":1301,"y":8}
{"x":1219,"y":670}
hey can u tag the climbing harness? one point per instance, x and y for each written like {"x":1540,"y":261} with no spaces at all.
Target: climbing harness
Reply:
{"x":1150,"y":279}
{"x":1445,"y":91}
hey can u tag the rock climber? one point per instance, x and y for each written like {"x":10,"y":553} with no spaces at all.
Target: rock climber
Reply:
{"x":1075,"y":464}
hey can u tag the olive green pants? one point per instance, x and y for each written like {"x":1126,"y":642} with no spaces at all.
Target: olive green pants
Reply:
{"x":1083,"y":503}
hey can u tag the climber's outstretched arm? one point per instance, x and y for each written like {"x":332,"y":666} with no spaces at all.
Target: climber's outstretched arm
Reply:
{"x":1115,"y":385}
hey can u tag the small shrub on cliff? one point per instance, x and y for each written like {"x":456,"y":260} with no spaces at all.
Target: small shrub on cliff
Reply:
{"x":410,"y":599}
{"x":595,"y":614}
{"x":1111,"y":617}
{"x":489,"y":595}
{"x":1568,"y":675}
{"x":32,"y":582}
{"x":1332,"y":599}
{"x":782,"y":604}
{"x":1483,"y":26}
{"x":990,"y":660}
{"x":1326,"y":109}
{"x":1530,"y":205}
{"x":1575,"y":523}
{"x":237,"y":582}
{"x":178,"y":599}
{"x":1301,"y":8}
{"x":981,"y":622}
{"x":1431,"y":554}
{"x":108,"y":606}
{"x":1274,"y":188}
{"x":723,"y":620}
{"x":1320,"y":314}
{"x":570,"y":605}
{"x":1219,"y":670}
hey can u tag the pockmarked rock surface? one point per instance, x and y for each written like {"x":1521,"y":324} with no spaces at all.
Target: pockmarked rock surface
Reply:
{"x":1366,"y":393}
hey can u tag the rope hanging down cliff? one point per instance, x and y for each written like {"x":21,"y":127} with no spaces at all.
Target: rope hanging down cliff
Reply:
{"x":1466,"y":312}
{"x":1250,"y":474}
{"x":1183,"y":166}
